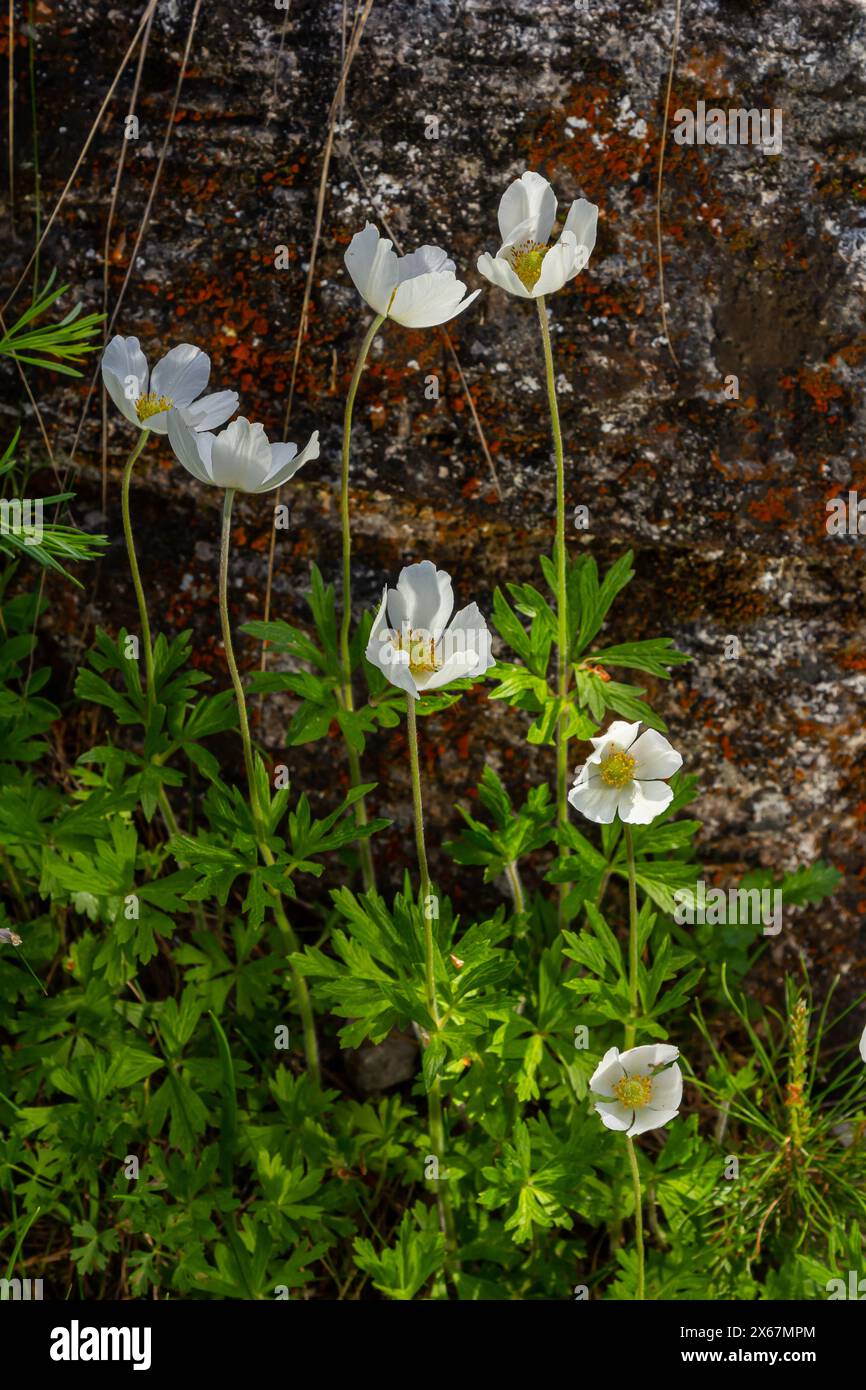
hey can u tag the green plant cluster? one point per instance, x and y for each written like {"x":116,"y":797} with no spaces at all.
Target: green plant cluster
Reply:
{"x":160,"y":1134}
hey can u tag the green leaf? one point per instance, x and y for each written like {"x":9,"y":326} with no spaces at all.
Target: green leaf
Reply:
{"x":654,"y":656}
{"x":228,"y":1137}
{"x":401,"y":1271}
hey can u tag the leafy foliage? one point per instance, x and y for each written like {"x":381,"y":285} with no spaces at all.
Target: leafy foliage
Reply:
{"x":160,"y":927}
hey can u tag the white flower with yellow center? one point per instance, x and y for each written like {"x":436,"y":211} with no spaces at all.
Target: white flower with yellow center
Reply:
{"x":425,"y":648}
{"x":641,"y":1096}
{"x":176,"y":383}
{"x":624,"y":776}
{"x":419,"y":290}
{"x":240,"y":457}
{"x":525,"y":264}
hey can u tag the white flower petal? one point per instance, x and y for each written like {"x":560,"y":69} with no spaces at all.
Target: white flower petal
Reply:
{"x":241,"y":456}
{"x":186,"y":444}
{"x":395,"y":664}
{"x":285,"y":461}
{"x":282,"y":455}
{"x":641,"y":802}
{"x":615,"y":1115}
{"x":158,"y":424}
{"x":595,"y":800}
{"x":425,"y":261}
{"x":637,"y":1059}
{"x":382,"y":653}
{"x":466,"y":647}
{"x":607,"y":1073}
{"x":204,"y":441}
{"x":556,"y":269}
{"x":863,"y":1045}
{"x":620,"y":733}
{"x":667,"y":1089}
{"x":423,"y":598}
{"x":499,"y":271}
{"x":459,"y":666}
{"x":582,"y":776}
{"x":182,"y":375}
{"x":582,"y":220}
{"x":209,"y":412}
{"x":430,"y":299}
{"x":372,"y":264}
{"x":529,"y":199}
{"x":647,"y":1118}
{"x":380,"y":626}
{"x":125,"y":374}
{"x":654,"y":757}
{"x":518,"y":236}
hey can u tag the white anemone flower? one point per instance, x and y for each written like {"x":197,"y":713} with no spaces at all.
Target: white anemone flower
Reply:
{"x":863,"y":1045}
{"x":419,"y":290}
{"x":641,"y":1096}
{"x":426,"y":648}
{"x":623,"y":776}
{"x":176,"y":383}
{"x":525,"y":264}
{"x":240,"y":457}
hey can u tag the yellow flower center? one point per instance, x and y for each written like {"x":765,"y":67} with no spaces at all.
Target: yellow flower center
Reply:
{"x":526,"y":260}
{"x":152,"y":404}
{"x":634,"y":1091}
{"x":617,"y":769}
{"x":423,"y":657}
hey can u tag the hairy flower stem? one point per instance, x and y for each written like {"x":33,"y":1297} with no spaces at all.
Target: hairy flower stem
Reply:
{"x":134,"y":571}
{"x":367,"y":871}
{"x":633,"y":940}
{"x":562,"y":597}
{"x":164,"y":804}
{"x":638,"y":1216}
{"x":630,"y":1033}
{"x":305,"y":1008}
{"x":434,"y":1095}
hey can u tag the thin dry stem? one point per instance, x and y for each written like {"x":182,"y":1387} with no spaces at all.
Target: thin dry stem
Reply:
{"x":664,"y":316}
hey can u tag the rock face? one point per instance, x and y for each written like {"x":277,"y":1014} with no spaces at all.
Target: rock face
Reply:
{"x":722,"y":493}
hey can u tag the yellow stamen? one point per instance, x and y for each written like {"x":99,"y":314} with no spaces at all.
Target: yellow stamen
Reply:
{"x":152,"y":404}
{"x":526,"y":260}
{"x":618,"y":767}
{"x":423,"y":658}
{"x":634,"y":1091}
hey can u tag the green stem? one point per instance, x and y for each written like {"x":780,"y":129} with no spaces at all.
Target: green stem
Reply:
{"x":562,"y":600}
{"x":134,"y":571}
{"x":638,"y":1216}
{"x":365,"y":853}
{"x":633,"y":940}
{"x":240,"y":697}
{"x":305,"y":1008}
{"x":367,"y":871}
{"x":513,"y":875}
{"x":434,"y":1095}
{"x":168,"y":814}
